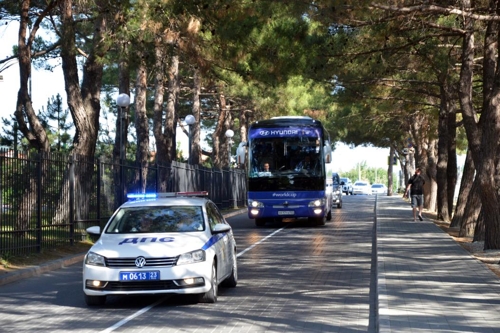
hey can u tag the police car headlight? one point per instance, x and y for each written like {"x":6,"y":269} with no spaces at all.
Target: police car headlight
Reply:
{"x":191,"y":257}
{"x":255,"y":203}
{"x":317,"y":203}
{"x":94,"y":259}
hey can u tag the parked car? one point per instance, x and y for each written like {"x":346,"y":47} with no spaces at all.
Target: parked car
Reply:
{"x":346,"y":185}
{"x":379,"y":189}
{"x":361,"y":187}
{"x":177,"y":243}
{"x":336,"y":190}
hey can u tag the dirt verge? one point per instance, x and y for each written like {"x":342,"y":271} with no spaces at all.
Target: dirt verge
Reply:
{"x":14,"y":263}
{"x":490,"y":257}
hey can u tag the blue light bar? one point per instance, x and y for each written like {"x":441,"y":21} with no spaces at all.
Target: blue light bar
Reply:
{"x":145,"y":196}
{"x":138,"y":196}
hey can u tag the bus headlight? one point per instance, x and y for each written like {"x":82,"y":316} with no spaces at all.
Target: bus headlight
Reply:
{"x":254,"y":212}
{"x":317,"y":203}
{"x":255,"y":207}
{"x":255,"y":204}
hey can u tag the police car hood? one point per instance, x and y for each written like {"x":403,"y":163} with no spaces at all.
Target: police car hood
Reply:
{"x":150,"y":245}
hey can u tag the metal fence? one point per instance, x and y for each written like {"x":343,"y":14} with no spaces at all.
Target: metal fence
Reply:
{"x":50,"y":199}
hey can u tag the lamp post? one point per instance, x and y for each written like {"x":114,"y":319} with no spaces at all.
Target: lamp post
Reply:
{"x":190,"y":120}
{"x":123,"y":101}
{"x":229,"y":135}
{"x":359,"y":170}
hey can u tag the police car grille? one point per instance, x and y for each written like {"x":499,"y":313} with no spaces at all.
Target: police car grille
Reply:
{"x":150,"y":262}
{"x":141,"y":285}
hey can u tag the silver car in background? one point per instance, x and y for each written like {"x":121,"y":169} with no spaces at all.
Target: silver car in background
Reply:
{"x":361,"y":187}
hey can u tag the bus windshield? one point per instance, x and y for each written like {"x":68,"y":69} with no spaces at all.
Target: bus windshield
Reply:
{"x":290,"y":156}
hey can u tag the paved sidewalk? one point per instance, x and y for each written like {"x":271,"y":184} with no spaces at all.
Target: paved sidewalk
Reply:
{"x":426,"y":281}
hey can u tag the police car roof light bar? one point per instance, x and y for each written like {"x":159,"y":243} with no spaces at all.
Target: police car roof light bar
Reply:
{"x":145,"y":196}
{"x":137,"y":196}
{"x":193,"y":194}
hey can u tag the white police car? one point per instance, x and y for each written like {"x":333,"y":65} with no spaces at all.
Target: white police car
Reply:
{"x":163,"y":243}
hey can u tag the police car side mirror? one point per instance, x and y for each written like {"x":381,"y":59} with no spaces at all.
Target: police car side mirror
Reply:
{"x":220,"y":228}
{"x":342,"y":183}
{"x":95,"y":230}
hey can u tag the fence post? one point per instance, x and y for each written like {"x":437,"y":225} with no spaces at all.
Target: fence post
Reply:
{"x":39,"y":203}
{"x":99,"y":170}
{"x":71,"y":177}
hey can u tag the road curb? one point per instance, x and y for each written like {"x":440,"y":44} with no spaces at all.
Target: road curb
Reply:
{"x":39,"y":270}
{"x":64,"y":262}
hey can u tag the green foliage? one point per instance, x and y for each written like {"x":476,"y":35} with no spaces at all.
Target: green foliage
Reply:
{"x":362,"y":72}
{"x":11,"y":136}
{"x":5,"y":259}
{"x":56,"y":122}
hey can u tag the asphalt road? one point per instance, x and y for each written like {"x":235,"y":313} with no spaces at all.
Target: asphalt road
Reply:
{"x":292,"y":278}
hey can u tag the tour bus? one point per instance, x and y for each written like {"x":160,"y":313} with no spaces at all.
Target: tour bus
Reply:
{"x":286,"y":159}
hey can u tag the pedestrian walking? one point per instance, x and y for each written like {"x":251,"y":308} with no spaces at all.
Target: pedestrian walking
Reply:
{"x":415,"y":191}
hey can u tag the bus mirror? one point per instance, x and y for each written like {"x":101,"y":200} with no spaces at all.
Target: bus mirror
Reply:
{"x":327,"y":150}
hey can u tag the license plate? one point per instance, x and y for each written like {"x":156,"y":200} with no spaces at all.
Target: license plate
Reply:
{"x":140,"y":276}
{"x":286,"y":212}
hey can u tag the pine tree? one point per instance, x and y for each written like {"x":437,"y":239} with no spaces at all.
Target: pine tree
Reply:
{"x":60,"y":132}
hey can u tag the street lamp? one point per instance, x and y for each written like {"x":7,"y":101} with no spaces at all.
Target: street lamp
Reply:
{"x":229,"y":135}
{"x":123,"y":101}
{"x":190,"y":120}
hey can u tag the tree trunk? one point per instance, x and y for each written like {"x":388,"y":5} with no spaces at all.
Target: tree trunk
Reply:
{"x":194,"y":130}
{"x":464,"y":193}
{"x":84,"y":102}
{"x":34,"y":132}
{"x":430,"y":187}
{"x":452,"y":170}
{"x":171,"y":114}
{"x":471,"y":211}
{"x":442,"y":164}
{"x":220,"y":141}
{"x":161,"y":147}
{"x":483,"y":135}
{"x":141,"y":124}
{"x":479,"y":231}
{"x":390,"y":171}
{"x":487,"y":156}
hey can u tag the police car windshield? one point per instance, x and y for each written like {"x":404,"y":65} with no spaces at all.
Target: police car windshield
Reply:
{"x":157,"y":219}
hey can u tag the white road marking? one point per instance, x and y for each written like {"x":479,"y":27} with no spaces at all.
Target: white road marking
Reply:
{"x":132,"y":316}
{"x":149,"y":307}
{"x":262,"y":240}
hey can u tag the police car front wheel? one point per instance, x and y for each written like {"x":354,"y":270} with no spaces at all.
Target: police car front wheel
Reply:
{"x":232,"y":280}
{"x":211,"y":295}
